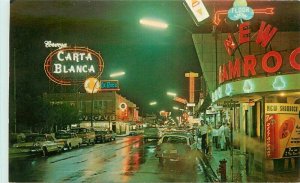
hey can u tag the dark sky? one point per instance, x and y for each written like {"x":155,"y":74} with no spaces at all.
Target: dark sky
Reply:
{"x":154,"y":60}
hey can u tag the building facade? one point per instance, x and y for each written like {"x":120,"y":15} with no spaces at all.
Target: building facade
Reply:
{"x":103,"y":110}
{"x":253,"y":82}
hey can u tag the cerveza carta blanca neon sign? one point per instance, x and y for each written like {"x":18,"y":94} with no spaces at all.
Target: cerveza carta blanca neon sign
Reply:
{"x":69,"y":65}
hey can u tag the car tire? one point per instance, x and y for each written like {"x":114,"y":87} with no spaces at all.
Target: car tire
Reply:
{"x":70,"y":146}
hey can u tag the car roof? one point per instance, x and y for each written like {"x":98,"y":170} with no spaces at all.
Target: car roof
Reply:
{"x":177,"y":134}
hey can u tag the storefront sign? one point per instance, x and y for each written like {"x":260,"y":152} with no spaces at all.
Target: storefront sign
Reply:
{"x":50,"y":44}
{"x":109,"y":85}
{"x":240,"y":11}
{"x":68,"y":66}
{"x":282,"y":130}
{"x":97,"y":118}
{"x":197,"y":8}
{"x":180,"y":100}
{"x":248,"y":65}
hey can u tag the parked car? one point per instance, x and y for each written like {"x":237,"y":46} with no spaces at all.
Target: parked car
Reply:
{"x":113,"y":134}
{"x":68,"y":140}
{"x":103,"y":136}
{"x":37,"y":144}
{"x":87,"y":135}
{"x":176,"y":147}
{"x":151,"y":133}
{"x":132,"y":133}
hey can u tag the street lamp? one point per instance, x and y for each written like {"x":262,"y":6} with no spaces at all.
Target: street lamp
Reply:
{"x":117,"y":74}
{"x":153,"y":23}
{"x":171,"y":94}
{"x":153,"y":103}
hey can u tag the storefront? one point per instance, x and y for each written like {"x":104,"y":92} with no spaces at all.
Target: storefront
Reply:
{"x":106,"y":110}
{"x":247,"y":73}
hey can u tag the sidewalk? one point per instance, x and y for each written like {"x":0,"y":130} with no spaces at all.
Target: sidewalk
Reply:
{"x":232,"y":172}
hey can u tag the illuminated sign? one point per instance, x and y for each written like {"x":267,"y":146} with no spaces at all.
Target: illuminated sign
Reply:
{"x":240,"y":11}
{"x":288,"y":82}
{"x":249,"y":64}
{"x":282,"y":129}
{"x":92,"y":85}
{"x":68,"y":65}
{"x":50,"y":44}
{"x":248,"y":86}
{"x":279,"y":83}
{"x":228,"y":89}
{"x":197,"y":8}
{"x":191,"y":76}
{"x":180,"y":100}
{"x":217,"y":18}
{"x":109,"y":85}
{"x":123,"y":106}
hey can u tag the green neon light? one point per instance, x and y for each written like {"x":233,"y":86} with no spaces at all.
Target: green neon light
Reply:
{"x":220,"y":92}
{"x":228,"y":89}
{"x":279,"y":83}
{"x":248,"y":86}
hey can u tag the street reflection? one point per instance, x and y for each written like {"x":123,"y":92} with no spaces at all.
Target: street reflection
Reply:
{"x":132,"y":153}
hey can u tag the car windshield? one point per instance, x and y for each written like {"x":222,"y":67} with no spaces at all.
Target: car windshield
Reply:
{"x":100,"y":132}
{"x":34,"y":138}
{"x":82,"y":130}
{"x":63,"y":135}
{"x":175,"y":140}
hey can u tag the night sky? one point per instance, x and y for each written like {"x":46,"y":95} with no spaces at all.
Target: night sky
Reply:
{"x":154,"y":60}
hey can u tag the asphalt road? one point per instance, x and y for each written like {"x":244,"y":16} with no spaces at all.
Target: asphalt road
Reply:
{"x":128,"y":159}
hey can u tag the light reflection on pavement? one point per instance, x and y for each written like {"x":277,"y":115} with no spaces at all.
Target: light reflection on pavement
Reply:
{"x":127,"y":159}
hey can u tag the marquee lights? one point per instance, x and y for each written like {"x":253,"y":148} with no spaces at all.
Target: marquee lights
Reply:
{"x":248,"y":86}
{"x":228,"y":89}
{"x":220,"y":92}
{"x":279,"y":83}
{"x":72,"y":65}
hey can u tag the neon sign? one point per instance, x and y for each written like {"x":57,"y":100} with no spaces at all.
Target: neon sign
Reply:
{"x":248,"y":65}
{"x":109,"y":85}
{"x":240,"y":11}
{"x":248,"y":86}
{"x":228,"y":89}
{"x":266,"y":11}
{"x":278,"y":83}
{"x":68,"y":65}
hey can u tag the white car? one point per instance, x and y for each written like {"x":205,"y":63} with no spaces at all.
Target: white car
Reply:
{"x":68,"y":140}
{"x":176,"y":147}
{"x":37,"y":144}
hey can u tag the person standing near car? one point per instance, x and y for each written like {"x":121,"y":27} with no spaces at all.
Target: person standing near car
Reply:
{"x":203,"y":132}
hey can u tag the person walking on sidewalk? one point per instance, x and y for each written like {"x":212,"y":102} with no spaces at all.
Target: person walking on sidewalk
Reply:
{"x":227,"y":135}
{"x":222,"y":136}
{"x":215,"y":136}
{"x":209,"y":140}
{"x":203,"y":132}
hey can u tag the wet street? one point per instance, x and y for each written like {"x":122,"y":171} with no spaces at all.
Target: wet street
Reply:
{"x":128,"y":159}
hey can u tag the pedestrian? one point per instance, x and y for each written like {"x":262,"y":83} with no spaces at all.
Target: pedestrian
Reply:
{"x":222,"y":136}
{"x":227,"y":136}
{"x":215,"y":136}
{"x":209,"y":140}
{"x":203,"y":132}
